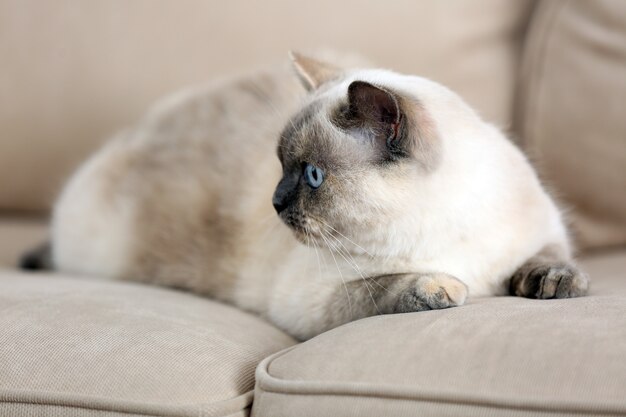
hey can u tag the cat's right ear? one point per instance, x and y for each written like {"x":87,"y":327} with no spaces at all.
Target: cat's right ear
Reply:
{"x":311,"y":72}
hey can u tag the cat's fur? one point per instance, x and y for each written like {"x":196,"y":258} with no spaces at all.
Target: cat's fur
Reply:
{"x":422,"y":201}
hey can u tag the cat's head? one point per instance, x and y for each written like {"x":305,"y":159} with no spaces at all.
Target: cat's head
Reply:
{"x":354,"y":155}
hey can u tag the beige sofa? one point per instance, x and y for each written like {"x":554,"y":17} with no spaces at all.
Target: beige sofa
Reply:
{"x":553,"y":73}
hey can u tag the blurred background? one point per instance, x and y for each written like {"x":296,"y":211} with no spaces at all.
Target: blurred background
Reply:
{"x":551,"y":73}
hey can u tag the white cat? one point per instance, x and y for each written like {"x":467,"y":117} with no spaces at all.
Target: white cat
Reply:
{"x":394,"y":197}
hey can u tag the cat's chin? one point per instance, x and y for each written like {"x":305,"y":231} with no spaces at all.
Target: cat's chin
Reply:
{"x":302,"y":235}
{"x":305,"y":236}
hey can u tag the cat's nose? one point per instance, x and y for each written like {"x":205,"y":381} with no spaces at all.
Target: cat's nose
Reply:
{"x":283,"y":197}
{"x":285,"y":193}
{"x":279,"y":206}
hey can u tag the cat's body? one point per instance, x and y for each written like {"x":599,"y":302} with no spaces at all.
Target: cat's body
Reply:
{"x":185,"y":199}
{"x":182,"y":199}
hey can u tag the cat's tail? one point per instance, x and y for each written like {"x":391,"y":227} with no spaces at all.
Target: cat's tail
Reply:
{"x":37,"y":259}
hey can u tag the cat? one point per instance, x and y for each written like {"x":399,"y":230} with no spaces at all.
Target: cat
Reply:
{"x":393,"y":196}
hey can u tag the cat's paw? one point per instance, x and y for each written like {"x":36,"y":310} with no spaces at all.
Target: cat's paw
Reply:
{"x":558,"y":280}
{"x":431,"y":292}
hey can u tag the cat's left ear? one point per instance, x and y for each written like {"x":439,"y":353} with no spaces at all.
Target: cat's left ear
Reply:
{"x":372,"y":104}
{"x":311,"y":72}
{"x":376,"y":109}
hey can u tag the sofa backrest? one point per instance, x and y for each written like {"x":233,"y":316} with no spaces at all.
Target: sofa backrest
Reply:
{"x":571,"y":111}
{"x":73,"y":72}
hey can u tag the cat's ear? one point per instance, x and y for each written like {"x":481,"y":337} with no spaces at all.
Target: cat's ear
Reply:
{"x":311,"y":72}
{"x":374,"y":108}
{"x":395,"y":122}
{"x":372,"y":104}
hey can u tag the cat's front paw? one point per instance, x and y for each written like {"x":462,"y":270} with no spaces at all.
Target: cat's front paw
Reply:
{"x":559,"y":280}
{"x":431,"y":292}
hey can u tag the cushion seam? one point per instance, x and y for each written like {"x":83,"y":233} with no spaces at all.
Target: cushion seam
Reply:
{"x":248,"y":407}
{"x":129,"y":407}
{"x":267,"y":382}
{"x":80,"y":407}
{"x":449,"y":402}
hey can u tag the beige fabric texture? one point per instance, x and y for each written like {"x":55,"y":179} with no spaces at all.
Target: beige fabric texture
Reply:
{"x":572,"y":111}
{"x":84,"y":347}
{"x":74,"y":72}
{"x":504,"y":356}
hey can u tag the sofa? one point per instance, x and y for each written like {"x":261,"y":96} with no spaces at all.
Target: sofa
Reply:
{"x":550,"y":73}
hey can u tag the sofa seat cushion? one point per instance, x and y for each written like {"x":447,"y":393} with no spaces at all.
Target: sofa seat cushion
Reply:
{"x":82,"y":347}
{"x":503,"y":356}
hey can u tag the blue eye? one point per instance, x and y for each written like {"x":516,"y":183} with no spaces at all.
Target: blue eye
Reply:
{"x":313,"y":176}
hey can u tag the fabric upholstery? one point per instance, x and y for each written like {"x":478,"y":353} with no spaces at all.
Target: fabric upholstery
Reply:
{"x":85,"y":347}
{"x":504,"y":356}
{"x":572,"y":103}
{"x":73,"y":72}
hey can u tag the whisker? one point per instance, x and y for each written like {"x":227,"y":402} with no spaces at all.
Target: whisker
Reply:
{"x":340,"y":274}
{"x":264,"y":220}
{"x":356,"y":269}
{"x":317,"y":254}
{"x":266,"y":227}
{"x":308,"y":244}
{"x":345,"y":237}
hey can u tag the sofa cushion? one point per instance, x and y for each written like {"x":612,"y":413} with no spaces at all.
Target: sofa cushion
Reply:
{"x":571,"y":111}
{"x":86,"y":348}
{"x":503,"y":356}
{"x":74,"y":72}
